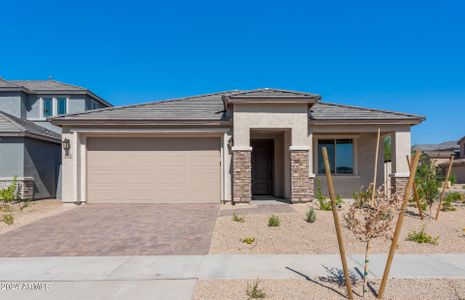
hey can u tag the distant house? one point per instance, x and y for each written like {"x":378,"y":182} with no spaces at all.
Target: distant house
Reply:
{"x":440,"y":155}
{"x":30,"y":146}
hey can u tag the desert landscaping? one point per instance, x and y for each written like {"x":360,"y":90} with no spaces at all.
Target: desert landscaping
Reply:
{"x":296,"y":236}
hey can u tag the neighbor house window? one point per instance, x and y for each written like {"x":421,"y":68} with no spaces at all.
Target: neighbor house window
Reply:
{"x":52,"y":106}
{"x":340,"y":155}
{"x":48,"y":107}
{"x":61,"y":106}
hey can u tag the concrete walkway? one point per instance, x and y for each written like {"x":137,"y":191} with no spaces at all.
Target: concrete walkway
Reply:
{"x":174,"y":277}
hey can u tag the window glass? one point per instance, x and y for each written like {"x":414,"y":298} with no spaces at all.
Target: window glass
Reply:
{"x":329,"y":144}
{"x":61,"y":103}
{"x":344,"y":156}
{"x":48,"y":107}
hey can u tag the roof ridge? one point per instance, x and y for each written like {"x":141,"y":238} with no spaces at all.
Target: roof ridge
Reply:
{"x":372,"y":109}
{"x":144,"y":104}
{"x":275,"y":90}
{"x":9,"y":82}
{"x":71,"y":85}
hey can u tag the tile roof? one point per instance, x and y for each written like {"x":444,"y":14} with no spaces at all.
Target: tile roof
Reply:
{"x":12,"y":125}
{"x":49,"y":86}
{"x":331,"y":111}
{"x":271,"y":93}
{"x":210,"y":107}
{"x":46,"y":85}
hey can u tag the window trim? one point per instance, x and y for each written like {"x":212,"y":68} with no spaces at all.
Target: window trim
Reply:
{"x":54,"y":105}
{"x":354,"y":139}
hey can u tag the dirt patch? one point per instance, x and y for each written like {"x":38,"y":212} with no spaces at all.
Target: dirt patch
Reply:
{"x":296,"y":236}
{"x":316,"y":289}
{"x":25,"y":213}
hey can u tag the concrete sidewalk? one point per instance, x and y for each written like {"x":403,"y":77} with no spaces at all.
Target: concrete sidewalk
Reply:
{"x":174,"y":277}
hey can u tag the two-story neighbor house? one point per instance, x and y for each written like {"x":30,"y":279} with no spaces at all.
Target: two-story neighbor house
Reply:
{"x":30,"y":146}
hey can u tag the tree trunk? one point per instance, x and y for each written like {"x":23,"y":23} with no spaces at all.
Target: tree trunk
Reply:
{"x":365,"y":271}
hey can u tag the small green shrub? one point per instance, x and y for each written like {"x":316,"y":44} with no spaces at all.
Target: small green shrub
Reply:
{"x":237,"y":218}
{"x":8,"y":219}
{"x":254,"y":292}
{"x":422,"y":237}
{"x":311,"y":215}
{"x":273,"y":221}
{"x":248,"y":240}
{"x":10,"y":193}
{"x":325,"y":204}
{"x":453,"y":178}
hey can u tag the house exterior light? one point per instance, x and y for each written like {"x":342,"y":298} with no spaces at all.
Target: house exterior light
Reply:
{"x":66,"y":144}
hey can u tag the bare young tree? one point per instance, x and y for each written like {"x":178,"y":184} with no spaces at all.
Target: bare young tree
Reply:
{"x":369,"y":219}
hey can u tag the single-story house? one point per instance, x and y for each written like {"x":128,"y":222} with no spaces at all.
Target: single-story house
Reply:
{"x":227,"y":146}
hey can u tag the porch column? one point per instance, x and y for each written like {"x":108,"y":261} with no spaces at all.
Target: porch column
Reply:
{"x":401,"y":147}
{"x":301,"y":190}
{"x":242,"y":174}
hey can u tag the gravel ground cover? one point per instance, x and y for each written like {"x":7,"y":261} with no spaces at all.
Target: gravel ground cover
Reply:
{"x":406,"y":289}
{"x":296,"y":236}
{"x":33,"y":211}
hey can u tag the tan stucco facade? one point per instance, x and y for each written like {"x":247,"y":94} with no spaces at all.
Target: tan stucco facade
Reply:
{"x":287,"y":124}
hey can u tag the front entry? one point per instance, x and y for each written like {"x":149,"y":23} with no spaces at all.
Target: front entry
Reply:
{"x":262,"y":167}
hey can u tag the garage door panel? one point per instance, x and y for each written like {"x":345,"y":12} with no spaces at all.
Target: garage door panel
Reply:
{"x":160,"y":170}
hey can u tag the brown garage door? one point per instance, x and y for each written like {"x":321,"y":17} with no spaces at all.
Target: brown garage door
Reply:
{"x":161,"y":170}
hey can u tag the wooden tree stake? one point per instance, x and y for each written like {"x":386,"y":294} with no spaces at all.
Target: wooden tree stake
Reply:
{"x":395,"y":238}
{"x":375,"y":173}
{"x":415,"y":193}
{"x":445,"y":185}
{"x":337,"y":224}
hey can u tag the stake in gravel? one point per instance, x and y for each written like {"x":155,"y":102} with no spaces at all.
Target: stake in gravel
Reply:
{"x":337,"y":224}
{"x":445,"y":185}
{"x":400,"y":220}
{"x":415,"y":193}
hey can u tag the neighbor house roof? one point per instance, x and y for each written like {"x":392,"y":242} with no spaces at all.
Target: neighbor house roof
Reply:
{"x":211,"y":107}
{"x":13,"y":126}
{"x":445,"y":146}
{"x":49,"y":86}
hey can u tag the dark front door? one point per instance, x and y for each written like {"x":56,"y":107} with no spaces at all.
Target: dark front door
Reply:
{"x":262,"y":167}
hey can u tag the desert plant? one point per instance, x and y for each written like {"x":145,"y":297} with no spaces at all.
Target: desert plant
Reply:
{"x":9,"y":193}
{"x":428,"y":183}
{"x":323,"y":202}
{"x":447,"y":204}
{"x":248,"y":240}
{"x":8,"y":219}
{"x":254,"y":292}
{"x":273,"y":221}
{"x":422,"y":237}
{"x":371,"y":219}
{"x":311,"y":215}
{"x":453,"y":178}
{"x":237,"y":218}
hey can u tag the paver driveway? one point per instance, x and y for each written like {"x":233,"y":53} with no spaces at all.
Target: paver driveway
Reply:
{"x":116,"y":229}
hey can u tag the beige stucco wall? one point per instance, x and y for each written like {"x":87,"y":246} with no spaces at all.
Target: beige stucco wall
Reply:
{"x":365,"y":149}
{"x":278,"y":116}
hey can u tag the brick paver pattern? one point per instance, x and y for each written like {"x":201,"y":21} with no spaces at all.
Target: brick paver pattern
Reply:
{"x":116,"y":229}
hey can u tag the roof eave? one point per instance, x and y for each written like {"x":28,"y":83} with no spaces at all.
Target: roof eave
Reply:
{"x":407,"y":121}
{"x":30,"y":135}
{"x":141,"y":122}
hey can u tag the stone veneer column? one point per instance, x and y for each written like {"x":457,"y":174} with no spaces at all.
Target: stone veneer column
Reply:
{"x":242,"y":176}
{"x":398,"y":186}
{"x":24,"y":186}
{"x":302,"y":189}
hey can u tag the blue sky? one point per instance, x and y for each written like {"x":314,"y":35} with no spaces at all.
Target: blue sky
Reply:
{"x":397,"y":55}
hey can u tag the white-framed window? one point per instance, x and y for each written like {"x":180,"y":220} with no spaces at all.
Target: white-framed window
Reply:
{"x":341,"y":155}
{"x":53,"y":106}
